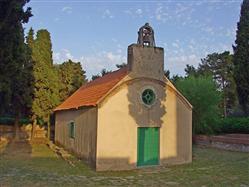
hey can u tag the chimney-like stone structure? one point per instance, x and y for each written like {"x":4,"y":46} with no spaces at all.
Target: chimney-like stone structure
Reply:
{"x":146,"y":61}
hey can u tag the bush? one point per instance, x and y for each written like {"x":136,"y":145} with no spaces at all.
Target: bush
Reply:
{"x":11,"y":121}
{"x":233,"y":125}
{"x":202,"y":93}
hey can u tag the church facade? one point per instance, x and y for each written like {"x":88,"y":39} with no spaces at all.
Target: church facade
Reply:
{"x":130,"y":118}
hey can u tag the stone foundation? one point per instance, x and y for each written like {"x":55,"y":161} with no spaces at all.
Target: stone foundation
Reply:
{"x":231,"y":142}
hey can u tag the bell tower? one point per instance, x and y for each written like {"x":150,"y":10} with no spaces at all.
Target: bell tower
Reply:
{"x":144,"y":58}
{"x":146,"y":36}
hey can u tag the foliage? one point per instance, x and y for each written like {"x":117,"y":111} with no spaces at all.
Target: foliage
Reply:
{"x":46,"y":86}
{"x":71,"y":76}
{"x":11,"y":120}
{"x":190,"y":70}
{"x":103,"y":72}
{"x":15,"y":86}
{"x":167,"y":73}
{"x":119,"y":66}
{"x":241,"y":57}
{"x":203,"y":95}
{"x":175,"y":78}
{"x":220,"y":66}
{"x":233,"y":125}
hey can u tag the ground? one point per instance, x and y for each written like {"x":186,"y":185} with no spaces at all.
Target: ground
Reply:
{"x":22,"y":164}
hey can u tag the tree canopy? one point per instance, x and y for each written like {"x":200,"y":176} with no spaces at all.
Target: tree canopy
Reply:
{"x":220,"y":66}
{"x":71,"y":76}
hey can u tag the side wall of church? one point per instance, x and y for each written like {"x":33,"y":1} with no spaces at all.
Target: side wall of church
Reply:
{"x":84,"y":142}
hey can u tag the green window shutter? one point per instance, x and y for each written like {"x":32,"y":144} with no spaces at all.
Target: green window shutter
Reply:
{"x":71,"y":129}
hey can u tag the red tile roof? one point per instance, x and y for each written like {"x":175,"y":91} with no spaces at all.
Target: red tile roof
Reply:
{"x":90,"y":93}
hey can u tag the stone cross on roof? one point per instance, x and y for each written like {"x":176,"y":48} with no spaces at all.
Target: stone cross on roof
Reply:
{"x":146,"y":36}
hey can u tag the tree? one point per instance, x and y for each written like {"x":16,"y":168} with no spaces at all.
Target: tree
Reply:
{"x":46,"y":79}
{"x":220,"y":67}
{"x":190,"y":70}
{"x":119,"y":66}
{"x":202,"y":93}
{"x":241,"y":57}
{"x":30,"y":39}
{"x":167,"y":73}
{"x":71,"y":76}
{"x":95,"y":76}
{"x":14,"y":58}
{"x":103,"y":72}
{"x":175,"y":78}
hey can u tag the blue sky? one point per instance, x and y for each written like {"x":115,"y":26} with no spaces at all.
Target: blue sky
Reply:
{"x":97,"y":33}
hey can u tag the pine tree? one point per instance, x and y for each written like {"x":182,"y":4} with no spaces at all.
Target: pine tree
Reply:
{"x":190,"y":70}
{"x":14,"y":58}
{"x":241,"y":57}
{"x":220,"y":67}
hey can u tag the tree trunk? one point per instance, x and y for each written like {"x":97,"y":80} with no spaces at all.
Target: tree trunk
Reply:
{"x":48,"y":135}
{"x":224,"y":98}
{"x":16,"y":126}
{"x":33,"y":128}
{"x":225,"y":107}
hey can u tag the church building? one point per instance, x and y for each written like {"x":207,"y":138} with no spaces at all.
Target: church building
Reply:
{"x":129,"y":118}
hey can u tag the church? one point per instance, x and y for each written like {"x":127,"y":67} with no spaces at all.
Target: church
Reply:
{"x":130,"y":118}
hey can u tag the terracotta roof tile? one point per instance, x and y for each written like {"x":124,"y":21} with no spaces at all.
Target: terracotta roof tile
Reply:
{"x":90,"y":93}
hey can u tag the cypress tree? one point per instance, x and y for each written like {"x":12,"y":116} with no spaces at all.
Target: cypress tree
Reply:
{"x":46,"y":82}
{"x":241,"y":57}
{"x":14,"y":59}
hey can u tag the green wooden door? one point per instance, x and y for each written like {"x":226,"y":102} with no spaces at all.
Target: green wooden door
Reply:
{"x":148,"y":146}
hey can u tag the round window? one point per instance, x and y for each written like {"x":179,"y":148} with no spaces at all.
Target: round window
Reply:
{"x":148,"y":96}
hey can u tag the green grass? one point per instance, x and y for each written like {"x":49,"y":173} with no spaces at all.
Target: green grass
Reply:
{"x":37,"y":165}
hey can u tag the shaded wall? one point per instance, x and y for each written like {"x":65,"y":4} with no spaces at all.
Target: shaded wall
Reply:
{"x":176,"y":131}
{"x":84,"y":143}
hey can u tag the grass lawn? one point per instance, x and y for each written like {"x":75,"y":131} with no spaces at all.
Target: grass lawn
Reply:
{"x":22,"y":164}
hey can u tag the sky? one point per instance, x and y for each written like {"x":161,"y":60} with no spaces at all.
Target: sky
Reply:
{"x":97,"y":33}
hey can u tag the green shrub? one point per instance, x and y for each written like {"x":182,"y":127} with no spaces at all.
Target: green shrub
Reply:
{"x":11,"y":121}
{"x":233,"y":125}
{"x":202,"y":93}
